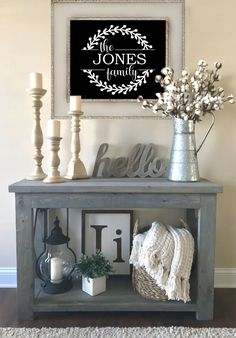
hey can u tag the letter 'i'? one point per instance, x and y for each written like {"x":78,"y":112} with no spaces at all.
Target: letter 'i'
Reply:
{"x":118,"y":248}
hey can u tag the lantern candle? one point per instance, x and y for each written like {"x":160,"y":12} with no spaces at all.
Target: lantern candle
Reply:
{"x":53,"y":128}
{"x":75,"y":103}
{"x":36,"y":80}
{"x":56,"y":274}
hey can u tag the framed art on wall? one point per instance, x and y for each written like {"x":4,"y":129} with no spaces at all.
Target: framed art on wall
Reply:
{"x":110,"y":51}
{"x":110,"y":232}
{"x":115,"y":59}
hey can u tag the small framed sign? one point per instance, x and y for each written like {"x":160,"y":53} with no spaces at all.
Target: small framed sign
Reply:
{"x":116,"y":59}
{"x":110,"y":232}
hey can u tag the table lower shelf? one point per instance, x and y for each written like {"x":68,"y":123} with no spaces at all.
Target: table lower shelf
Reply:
{"x":119,"y":296}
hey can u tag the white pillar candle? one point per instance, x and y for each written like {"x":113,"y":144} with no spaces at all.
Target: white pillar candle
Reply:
{"x":36,"y":80}
{"x":56,"y":270}
{"x":75,"y":103}
{"x":53,"y":128}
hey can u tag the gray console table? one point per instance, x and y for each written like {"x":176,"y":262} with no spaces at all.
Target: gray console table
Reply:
{"x":198,"y":199}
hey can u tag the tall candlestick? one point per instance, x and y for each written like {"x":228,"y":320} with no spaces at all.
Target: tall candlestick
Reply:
{"x":54,"y":161}
{"x":75,"y":103}
{"x":53,"y":128}
{"x":37,"y":135}
{"x":76,"y":169}
{"x":36,"y":80}
{"x":56,"y":270}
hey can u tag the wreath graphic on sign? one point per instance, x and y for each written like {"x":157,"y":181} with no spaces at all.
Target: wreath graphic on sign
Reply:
{"x":118,"y":89}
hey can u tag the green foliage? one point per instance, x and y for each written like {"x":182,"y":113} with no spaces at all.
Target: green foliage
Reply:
{"x":93,"y":266}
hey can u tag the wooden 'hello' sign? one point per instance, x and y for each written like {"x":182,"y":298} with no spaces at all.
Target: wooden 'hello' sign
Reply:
{"x":116,"y":58}
{"x":141,"y":162}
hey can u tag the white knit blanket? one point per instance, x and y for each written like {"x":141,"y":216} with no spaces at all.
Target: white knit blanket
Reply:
{"x":166,"y":253}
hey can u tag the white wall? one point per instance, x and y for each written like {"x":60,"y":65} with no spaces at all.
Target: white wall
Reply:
{"x":25,"y":47}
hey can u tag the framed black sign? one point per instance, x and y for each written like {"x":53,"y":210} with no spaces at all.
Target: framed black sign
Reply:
{"x":116,"y":58}
{"x":90,"y":57}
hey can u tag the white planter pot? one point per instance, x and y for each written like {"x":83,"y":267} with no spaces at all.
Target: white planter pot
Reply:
{"x":94,"y":286}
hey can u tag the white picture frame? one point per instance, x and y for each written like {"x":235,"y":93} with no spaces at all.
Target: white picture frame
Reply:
{"x":63,"y":10}
{"x":109,"y":231}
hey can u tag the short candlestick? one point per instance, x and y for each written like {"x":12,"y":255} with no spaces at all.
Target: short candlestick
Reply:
{"x":37,"y":135}
{"x":54,"y":161}
{"x":76,"y":169}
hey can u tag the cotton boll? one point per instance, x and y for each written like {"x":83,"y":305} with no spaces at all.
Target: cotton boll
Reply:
{"x":166,"y":81}
{"x":202,"y":63}
{"x":158,"y":78}
{"x":184,"y":72}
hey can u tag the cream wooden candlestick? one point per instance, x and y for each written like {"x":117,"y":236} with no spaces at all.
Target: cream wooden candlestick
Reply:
{"x":54,"y":161}
{"x":37,"y":135}
{"x":76,"y":169}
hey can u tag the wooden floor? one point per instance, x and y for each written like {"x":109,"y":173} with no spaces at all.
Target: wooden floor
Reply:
{"x":225,"y":315}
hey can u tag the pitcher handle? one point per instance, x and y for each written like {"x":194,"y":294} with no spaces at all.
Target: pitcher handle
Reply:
{"x":208,"y":131}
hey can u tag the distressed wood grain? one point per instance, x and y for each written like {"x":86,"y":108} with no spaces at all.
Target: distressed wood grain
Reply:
{"x":25,"y":257}
{"x":206,"y":257}
{"x":118,"y":185}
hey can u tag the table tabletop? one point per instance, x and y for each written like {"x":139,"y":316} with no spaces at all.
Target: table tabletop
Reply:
{"x":117,"y":185}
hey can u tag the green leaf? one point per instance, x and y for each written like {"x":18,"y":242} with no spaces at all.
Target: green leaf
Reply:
{"x":93,"y":266}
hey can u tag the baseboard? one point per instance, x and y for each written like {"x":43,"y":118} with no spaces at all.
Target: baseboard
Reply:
{"x":224,"y":278}
{"x":8,"y":278}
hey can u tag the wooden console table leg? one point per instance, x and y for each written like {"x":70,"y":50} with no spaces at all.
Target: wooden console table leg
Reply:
{"x":25,"y":260}
{"x":206,"y":257}
{"x":192,"y":222}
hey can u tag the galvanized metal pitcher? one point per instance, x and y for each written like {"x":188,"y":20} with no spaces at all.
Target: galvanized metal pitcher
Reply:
{"x":183,"y":164}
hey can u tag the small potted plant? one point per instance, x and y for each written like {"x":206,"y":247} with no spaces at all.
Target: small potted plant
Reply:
{"x":94,"y":270}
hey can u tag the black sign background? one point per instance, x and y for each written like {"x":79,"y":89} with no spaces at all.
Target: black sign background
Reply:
{"x":82,"y":32}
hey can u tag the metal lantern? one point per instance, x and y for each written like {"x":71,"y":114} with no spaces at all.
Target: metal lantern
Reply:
{"x":56,"y":264}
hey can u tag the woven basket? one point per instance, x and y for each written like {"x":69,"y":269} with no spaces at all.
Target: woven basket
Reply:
{"x":146,"y":286}
{"x":142,"y":282}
